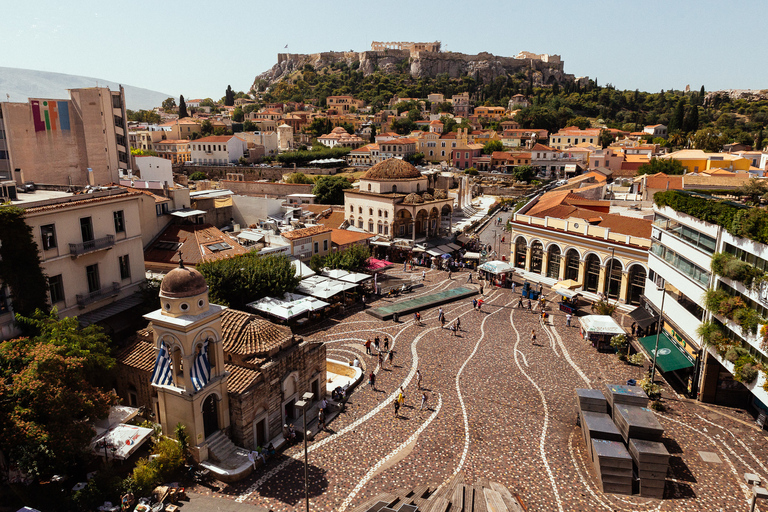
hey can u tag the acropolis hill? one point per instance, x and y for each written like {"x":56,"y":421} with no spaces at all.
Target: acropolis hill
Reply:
{"x":424,"y":60}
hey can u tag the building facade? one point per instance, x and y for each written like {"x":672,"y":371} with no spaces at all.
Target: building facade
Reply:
{"x":217,"y":149}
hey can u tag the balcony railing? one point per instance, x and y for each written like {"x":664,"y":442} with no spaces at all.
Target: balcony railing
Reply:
{"x":106,"y":242}
{"x":89,"y":298}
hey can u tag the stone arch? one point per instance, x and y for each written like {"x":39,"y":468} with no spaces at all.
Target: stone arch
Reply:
{"x":591,"y":272}
{"x":446,"y":210}
{"x":549,"y":245}
{"x":572,"y":248}
{"x":521,"y":251}
{"x":289,"y":388}
{"x":613,"y":271}
{"x":572,"y":263}
{"x":592,"y":253}
{"x":636,"y":283}
{"x":403,"y":224}
{"x":553,"y":261}
{"x":422,"y":222}
{"x":209,"y":408}
{"x":537,"y":256}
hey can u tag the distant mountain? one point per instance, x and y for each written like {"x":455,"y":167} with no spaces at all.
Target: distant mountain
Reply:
{"x":22,"y":84}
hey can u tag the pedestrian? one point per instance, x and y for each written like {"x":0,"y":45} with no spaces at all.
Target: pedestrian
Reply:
{"x":458,"y":323}
{"x":474,"y":304}
{"x":417,"y":316}
{"x":391,"y":358}
{"x":405,"y":266}
{"x":410,"y":266}
{"x":469,"y":279}
{"x":568,"y":322}
{"x":533,"y":337}
{"x":401,"y":397}
{"x":423,"y":401}
{"x":530,"y":306}
{"x":481,"y":288}
{"x":449,"y":273}
{"x":372,"y":380}
{"x":381,"y":359}
{"x":363,"y":300}
{"x":323,"y":404}
{"x":514,"y":285}
{"x":418,"y":378}
{"x":480,"y":304}
{"x":397,"y":409}
{"x":520,"y":302}
{"x":356,"y":363}
{"x":320,"y":420}
{"x":454,"y":328}
{"x":368,"y":346}
{"x":386,"y":342}
{"x":423,"y":275}
{"x":376,"y":343}
{"x":541,"y":288}
{"x":440,"y":314}
{"x":442,"y":322}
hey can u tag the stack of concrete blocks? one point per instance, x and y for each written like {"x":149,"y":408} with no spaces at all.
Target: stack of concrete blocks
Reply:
{"x":652,"y":461}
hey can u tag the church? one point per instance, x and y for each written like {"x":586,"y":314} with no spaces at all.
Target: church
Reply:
{"x":218,"y":371}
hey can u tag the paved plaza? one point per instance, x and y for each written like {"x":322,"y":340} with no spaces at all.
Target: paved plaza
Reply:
{"x":498,"y":407}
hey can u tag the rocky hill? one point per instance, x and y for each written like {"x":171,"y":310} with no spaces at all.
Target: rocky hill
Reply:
{"x":484,"y":67}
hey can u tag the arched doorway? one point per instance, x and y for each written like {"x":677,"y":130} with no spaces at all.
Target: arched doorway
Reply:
{"x":572,"y":264}
{"x":210,"y":415}
{"x":422,"y":225}
{"x":613,"y":270}
{"x":553,"y":262}
{"x":404,"y":226}
{"x":592,"y":274}
{"x":637,"y":277}
{"x":521,"y":249}
{"x":537,"y":256}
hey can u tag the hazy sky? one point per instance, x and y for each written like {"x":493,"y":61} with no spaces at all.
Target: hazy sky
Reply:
{"x":196,"y":48}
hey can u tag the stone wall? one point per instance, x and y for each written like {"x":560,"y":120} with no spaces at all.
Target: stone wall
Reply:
{"x":262,"y":188}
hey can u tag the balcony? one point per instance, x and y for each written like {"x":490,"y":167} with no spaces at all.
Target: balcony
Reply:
{"x":89,"y":298}
{"x":98,"y":244}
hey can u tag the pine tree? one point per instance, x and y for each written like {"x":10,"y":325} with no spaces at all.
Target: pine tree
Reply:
{"x":702,"y":92}
{"x":676,"y":123}
{"x":759,"y":140}
{"x":373,"y":133}
{"x":182,"y":108}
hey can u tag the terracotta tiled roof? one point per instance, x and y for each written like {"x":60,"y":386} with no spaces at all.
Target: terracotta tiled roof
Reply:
{"x":391,"y":169}
{"x":157,"y":198}
{"x":196,"y":241}
{"x":140,"y":353}
{"x":660,"y":181}
{"x":216,"y":138}
{"x":78,"y":200}
{"x":304,"y":232}
{"x":240,"y":378}
{"x":333,"y":221}
{"x":344,"y":236}
{"x":541,"y":147}
{"x":246,"y":334}
{"x":562,"y":198}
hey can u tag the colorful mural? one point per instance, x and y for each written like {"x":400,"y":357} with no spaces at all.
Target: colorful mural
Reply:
{"x":50,"y":115}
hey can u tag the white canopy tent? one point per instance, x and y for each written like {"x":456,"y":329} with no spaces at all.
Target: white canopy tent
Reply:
{"x":471,"y":255}
{"x":600,"y":324}
{"x":292,"y":306}
{"x":346,"y":276}
{"x":496,"y":267}
{"x":121,"y":440}
{"x":302,"y":270}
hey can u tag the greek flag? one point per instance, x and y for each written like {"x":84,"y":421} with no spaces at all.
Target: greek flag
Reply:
{"x":162,"y":374}
{"x":201,"y":370}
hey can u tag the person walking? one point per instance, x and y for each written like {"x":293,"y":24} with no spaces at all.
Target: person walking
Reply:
{"x":401,"y":397}
{"x":520,"y":302}
{"x":391,"y":358}
{"x":368,"y":346}
{"x":405,"y":266}
{"x":423,"y":401}
{"x":386,"y":342}
{"x":442,"y":322}
{"x":481,"y":288}
{"x":530,"y":306}
{"x":381,"y":359}
{"x":397,"y":408}
{"x":454,"y":328}
{"x":568,"y":321}
{"x":474,"y":304}
{"x":449,"y":273}
{"x":423,"y":275}
{"x":417,"y":317}
{"x":458,"y":323}
{"x":533,"y":337}
{"x":362,"y":299}
{"x":480,"y":304}
{"x":418,"y":378}
{"x":320,"y":420}
{"x":514,"y":285}
{"x":469,"y":279}
{"x":372,"y":380}
{"x":440,"y":314}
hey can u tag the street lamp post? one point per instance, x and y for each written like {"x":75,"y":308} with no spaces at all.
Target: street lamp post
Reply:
{"x":303,"y":404}
{"x":663,"y":289}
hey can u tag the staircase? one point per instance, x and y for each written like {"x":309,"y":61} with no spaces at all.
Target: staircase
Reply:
{"x":469,"y":210}
{"x":222,"y":450}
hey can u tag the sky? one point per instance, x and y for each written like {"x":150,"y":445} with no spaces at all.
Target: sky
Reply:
{"x":197,"y":48}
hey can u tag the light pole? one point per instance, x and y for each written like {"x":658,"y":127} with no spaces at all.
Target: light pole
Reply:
{"x":663,"y":289}
{"x":303,"y":404}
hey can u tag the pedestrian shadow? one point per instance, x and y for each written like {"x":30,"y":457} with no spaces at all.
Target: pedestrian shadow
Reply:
{"x":404,"y":418}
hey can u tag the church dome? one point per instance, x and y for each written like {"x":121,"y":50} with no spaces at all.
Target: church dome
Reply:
{"x":426,"y":196}
{"x":183,"y":282}
{"x":413,"y":199}
{"x":391,"y":169}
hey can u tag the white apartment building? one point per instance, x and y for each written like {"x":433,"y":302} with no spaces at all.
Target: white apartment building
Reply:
{"x":217,"y":150}
{"x":680,"y":275}
{"x":91,"y":251}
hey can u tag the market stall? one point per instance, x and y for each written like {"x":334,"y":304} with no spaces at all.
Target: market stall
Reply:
{"x":599,"y":329}
{"x":569,"y":300}
{"x":498,"y":273}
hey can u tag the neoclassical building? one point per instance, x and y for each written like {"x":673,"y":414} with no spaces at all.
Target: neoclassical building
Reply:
{"x":256,"y":370}
{"x":561,"y":235}
{"x":395,"y":200}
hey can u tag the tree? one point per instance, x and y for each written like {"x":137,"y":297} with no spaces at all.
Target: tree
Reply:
{"x":143,"y":152}
{"x":238,"y":115}
{"x":229,"y":97}
{"x":709,"y":140}
{"x":249,"y":126}
{"x":241,"y":279}
{"x":445,"y":107}
{"x":20,"y":263}
{"x":351,"y":259}
{"x":206,"y":127}
{"x":373,"y":134}
{"x":755,"y":189}
{"x":169,"y":104}
{"x":667,"y":166}
{"x":49,"y":400}
{"x":580,"y":122}
{"x":524,"y":173}
{"x":491,"y":146}
{"x":691,"y":119}
{"x":676,"y":123}
{"x":198,"y":176}
{"x":182,"y":107}
{"x":758,"y":145}
{"x":299,"y":177}
{"x":606,"y":138}
{"x":330,"y":189}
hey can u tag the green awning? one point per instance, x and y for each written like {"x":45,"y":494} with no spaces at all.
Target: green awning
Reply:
{"x":670,"y":357}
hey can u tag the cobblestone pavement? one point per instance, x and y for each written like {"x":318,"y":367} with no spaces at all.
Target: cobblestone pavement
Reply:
{"x":499,"y":407}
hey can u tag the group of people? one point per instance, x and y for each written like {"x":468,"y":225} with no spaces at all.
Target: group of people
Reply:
{"x":264,"y":453}
{"x":399,"y":400}
{"x":376,"y":342}
{"x":455,"y":326}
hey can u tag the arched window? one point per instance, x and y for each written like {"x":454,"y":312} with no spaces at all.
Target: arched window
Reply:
{"x":394,"y":189}
{"x":370,"y":226}
{"x":537,"y":256}
{"x":553,"y":262}
{"x":592,"y":275}
{"x":360,"y":222}
{"x":369,"y":187}
{"x":351,"y":208}
{"x":379,"y":213}
{"x":386,"y":214}
{"x":370,"y":211}
{"x":178,"y":362}
{"x":637,"y":276}
{"x":613,"y":278}
{"x":521,"y":249}
{"x":359,"y":209}
{"x":572,"y":264}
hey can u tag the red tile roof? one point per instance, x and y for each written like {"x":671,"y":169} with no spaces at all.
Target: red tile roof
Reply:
{"x":195,"y":241}
{"x":216,"y":138}
{"x":345,"y":237}
{"x":78,"y":200}
{"x":305,"y":232}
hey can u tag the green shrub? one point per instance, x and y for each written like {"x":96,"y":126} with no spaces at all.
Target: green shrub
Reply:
{"x":637,"y":359}
{"x":197,"y":176}
{"x":619,"y":343}
{"x":651,"y":389}
{"x":657,"y":405}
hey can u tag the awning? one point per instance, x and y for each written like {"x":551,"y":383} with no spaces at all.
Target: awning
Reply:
{"x":565,"y":292}
{"x":567,"y":284}
{"x":434,"y":252}
{"x":383,"y":244}
{"x":471,"y":256}
{"x":497,"y":267}
{"x":670,"y":356}
{"x":250,"y":235}
{"x":418,"y":249}
{"x":642,"y":317}
{"x":187,"y":213}
{"x":123,"y":439}
{"x":292,"y":306}
{"x":445,"y":249}
{"x":302,"y":270}
{"x":600,"y":324}
{"x":453,"y":246}
{"x":378,"y":265}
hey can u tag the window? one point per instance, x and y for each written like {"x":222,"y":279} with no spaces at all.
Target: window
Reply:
{"x":86,"y":229}
{"x":386,"y":230}
{"x":317,"y":247}
{"x":48,"y":233}
{"x":370,"y":226}
{"x":56,"y":288}
{"x":161,"y":209}
{"x":359,"y":209}
{"x":386,"y":214}
{"x":325,"y":245}
{"x":221,"y":246}
{"x":119,"y":221}
{"x":681,"y":264}
{"x":351,"y":208}
{"x":370,"y":211}
{"x":92,"y":275}
{"x":125,"y":267}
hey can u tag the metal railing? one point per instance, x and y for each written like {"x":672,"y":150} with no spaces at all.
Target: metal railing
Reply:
{"x":97,"y":244}
{"x":107,"y":291}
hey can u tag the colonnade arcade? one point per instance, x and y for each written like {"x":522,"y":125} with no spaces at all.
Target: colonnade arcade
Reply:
{"x":426,"y":224}
{"x":614,"y":278}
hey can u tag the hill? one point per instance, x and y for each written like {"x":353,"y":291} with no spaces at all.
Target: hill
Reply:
{"x":21,"y":84}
